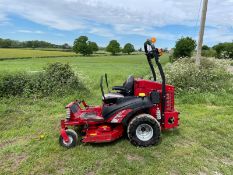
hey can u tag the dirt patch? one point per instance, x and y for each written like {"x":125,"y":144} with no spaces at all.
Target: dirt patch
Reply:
{"x":61,"y":171}
{"x":16,"y":141}
{"x":157,"y":155}
{"x":12,"y":161}
{"x":184,"y":143}
{"x":18,"y":159}
{"x":7,"y":143}
{"x":134,"y":158}
{"x":227,"y":161}
{"x":173,"y":172}
{"x":90,"y":173}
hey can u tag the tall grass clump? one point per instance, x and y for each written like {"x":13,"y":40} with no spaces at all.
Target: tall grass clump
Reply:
{"x":210,"y":76}
{"x":57,"y":79}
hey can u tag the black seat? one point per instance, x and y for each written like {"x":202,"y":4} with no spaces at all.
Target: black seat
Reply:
{"x":127,"y":88}
{"x":112,"y":97}
{"x":130,"y":102}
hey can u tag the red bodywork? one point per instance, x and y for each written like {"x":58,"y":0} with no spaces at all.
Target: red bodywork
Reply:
{"x":111,"y":129}
{"x":171,"y":119}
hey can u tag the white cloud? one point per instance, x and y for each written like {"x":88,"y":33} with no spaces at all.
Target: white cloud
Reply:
{"x":101,"y":32}
{"x":58,"y":34}
{"x":143,"y":31}
{"x":3,"y":16}
{"x":31,"y":31}
{"x":220,"y":34}
{"x":121,"y":17}
{"x":72,"y":14}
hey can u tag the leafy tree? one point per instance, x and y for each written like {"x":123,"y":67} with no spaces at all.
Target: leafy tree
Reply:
{"x":205,"y":47}
{"x":94,"y":46}
{"x":224,"y":50}
{"x":5,"y":43}
{"x":113,"y":47}
{"x":184,"y":47}
{"x":81,"y":45}
{"x":140,"y":50}
{"x":128,"y":48}
{"x":65,"y":46}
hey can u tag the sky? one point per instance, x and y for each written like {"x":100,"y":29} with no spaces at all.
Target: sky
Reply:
{"x":61,"y":21}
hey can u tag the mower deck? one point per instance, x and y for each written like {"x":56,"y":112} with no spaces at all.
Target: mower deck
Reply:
{"x":103,"y":133}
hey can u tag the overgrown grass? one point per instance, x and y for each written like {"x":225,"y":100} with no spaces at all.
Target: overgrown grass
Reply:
{"x":56,"y":79}
{"x":202,"y":144}
{"x":210,"y":76}
{"x":208,"y":53}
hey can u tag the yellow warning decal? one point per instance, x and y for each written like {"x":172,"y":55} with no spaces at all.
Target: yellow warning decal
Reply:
{"x":141,"y":94}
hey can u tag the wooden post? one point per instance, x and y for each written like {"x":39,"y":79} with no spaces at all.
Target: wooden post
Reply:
{"x":201,"y":32}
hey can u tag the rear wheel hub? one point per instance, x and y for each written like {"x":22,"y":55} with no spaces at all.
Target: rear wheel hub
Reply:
{"x":144,"y":132}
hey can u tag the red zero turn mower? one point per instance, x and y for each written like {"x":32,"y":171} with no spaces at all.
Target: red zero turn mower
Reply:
{"x":141,"y":108}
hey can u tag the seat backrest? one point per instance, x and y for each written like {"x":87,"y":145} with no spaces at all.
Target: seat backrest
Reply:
{"x":128,"y":85}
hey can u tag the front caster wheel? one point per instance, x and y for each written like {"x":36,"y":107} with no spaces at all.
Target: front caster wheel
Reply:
{"x":73,"y":137}
{"x":144,"y":130}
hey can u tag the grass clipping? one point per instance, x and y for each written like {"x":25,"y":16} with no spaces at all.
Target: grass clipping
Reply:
{"x":211,"y":75}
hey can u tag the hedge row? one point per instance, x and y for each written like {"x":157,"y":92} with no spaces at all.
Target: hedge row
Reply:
{"x":56,"y":79}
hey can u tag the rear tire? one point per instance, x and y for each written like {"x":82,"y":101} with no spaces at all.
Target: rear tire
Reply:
{"x":144,"y":130}
{"x":73,"y":137}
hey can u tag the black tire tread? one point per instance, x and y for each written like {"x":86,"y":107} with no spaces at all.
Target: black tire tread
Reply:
{"x":139,"y":119}
{"x":71,"y":133}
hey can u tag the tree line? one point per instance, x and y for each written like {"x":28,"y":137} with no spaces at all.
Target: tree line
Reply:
{"x":8,"y":43}
{"x":81,"y":45}
{"x":185,"y":46}
{"x":85,"y":47}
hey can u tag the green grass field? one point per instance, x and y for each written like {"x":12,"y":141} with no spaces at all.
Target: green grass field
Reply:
{"x":203,"y":143}
{"x":11,"y":53}
{"x":25,"y":53}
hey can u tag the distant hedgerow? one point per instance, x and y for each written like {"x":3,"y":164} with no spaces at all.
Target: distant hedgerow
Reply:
{"x":56,"y":79}
{"x":210,"y":76}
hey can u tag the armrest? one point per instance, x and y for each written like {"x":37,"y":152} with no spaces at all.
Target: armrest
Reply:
{"x":119,"y":88}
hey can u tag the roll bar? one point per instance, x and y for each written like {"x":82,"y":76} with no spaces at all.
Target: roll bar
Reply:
{"x":154,"y":53}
